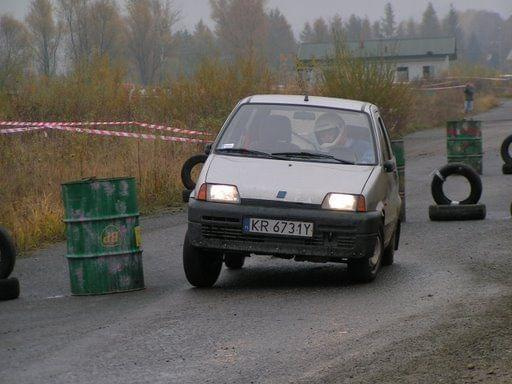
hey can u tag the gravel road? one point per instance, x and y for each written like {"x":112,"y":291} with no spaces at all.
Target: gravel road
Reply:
{"x":442,"y":313}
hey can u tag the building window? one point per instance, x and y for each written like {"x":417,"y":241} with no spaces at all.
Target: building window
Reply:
{"x":402,"y":74}
{"x":427,"y":72}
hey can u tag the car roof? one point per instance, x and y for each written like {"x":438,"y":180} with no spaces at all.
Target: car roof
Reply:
{"x":313,"y":101}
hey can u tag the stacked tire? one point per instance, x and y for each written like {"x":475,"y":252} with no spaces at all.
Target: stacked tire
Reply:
{"x":186,"y":174}
{"x":9,"y":287}
{"x":449,"y":210}
{"x":506,"y":156}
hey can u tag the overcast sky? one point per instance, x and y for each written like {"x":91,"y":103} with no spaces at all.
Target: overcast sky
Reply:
{"x":299,"y":11}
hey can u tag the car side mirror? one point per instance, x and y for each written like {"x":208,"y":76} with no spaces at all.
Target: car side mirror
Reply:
{"x":208,"y":149}
{"x":389,"y":166}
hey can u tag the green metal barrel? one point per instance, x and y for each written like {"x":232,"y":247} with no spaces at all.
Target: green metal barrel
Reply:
{"x":103,"y":236}
{"x":464,"y":143}
{"x":399,"y":152}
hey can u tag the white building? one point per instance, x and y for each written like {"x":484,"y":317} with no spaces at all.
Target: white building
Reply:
{"x":415,"y":59}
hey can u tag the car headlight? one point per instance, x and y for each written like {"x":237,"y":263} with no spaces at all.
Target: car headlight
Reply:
{"x":219,"y":193}
{"x":344,"y":202}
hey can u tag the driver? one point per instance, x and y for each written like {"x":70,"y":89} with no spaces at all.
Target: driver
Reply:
{"x":332,"y":136}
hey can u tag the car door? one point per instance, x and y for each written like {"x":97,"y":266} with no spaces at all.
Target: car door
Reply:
{"x":392,"y":198}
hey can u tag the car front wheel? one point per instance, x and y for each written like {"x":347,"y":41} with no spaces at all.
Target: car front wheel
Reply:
{"x":202,"y":268}
{"x":365,"y":270}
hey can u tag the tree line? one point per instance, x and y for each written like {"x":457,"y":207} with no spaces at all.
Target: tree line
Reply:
{"x":483,"y":37}
{"x":58,"y":36}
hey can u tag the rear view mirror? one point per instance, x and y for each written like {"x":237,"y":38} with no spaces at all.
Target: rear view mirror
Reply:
{"x":304,"y":115}
{"x":389,"y":166}
{"x":208,"y":149}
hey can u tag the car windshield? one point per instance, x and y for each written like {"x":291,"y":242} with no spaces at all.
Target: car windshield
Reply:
{"x":299,"y":133}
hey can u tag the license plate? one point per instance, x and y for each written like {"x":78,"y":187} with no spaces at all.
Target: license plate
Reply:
{"x":278,"y":227}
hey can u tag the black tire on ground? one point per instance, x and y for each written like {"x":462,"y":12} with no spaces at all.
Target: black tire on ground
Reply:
{"x":505,"y":153}
{"x":9,"y":289}
{"x":234,"y":260}
{"x":456,"y":169}
{"x":507,"y":169}
{"x":388,"y":256}
{"x":365,"y":270}
{"x":457,"y":212}
{"x":185,"y":195}
{"x":202,"y":268}
{"x":7,"y":254}
{"x":186,"y":170}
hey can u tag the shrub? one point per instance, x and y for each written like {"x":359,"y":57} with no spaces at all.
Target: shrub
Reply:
{"x":350,"y":77}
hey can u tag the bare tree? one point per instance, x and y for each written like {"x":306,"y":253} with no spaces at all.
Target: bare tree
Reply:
{"x":14,"y":50}
{"x":241,"y":26}
{"x":75,"y":16}
{"x":44,"y":35}
{"x":106,"y":28}
{"x":149,"y":24}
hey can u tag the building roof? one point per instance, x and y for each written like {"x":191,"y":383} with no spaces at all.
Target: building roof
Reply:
{"x":385,"y":48}
{"x":314,"y":101}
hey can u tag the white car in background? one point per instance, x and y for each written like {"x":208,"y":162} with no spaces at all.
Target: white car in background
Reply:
{"x":305,"y":178}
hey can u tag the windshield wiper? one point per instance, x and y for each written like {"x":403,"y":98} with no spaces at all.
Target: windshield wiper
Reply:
{"x":312,"y":155}
{"x":243,"y":151}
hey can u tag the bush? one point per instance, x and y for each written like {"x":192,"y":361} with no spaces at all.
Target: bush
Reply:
{"x":350,"y":77}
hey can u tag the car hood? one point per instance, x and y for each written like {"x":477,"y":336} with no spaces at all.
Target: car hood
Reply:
{"x":303,"y":182}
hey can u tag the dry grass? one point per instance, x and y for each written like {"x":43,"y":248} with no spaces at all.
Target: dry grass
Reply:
{"x":34,"y":165}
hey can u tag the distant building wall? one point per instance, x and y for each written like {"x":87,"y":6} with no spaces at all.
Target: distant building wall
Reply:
{"x":420,"y":69}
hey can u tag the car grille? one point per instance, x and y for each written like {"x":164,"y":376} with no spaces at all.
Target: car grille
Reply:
{"x":231,"y":229}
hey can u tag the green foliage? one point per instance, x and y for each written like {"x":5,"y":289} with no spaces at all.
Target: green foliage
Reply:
{"x":345,"y":76}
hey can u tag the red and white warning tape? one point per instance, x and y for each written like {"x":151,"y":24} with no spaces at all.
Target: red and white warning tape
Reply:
{"x":103,"y":133}
{"x":20,"y":130}
{"x":102,"y":123}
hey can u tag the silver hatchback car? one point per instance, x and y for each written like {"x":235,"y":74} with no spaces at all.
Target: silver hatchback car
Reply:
{"x":304,"y":178}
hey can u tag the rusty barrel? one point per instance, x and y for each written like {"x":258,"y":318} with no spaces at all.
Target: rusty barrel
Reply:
{"x":399,"y":152}
{"x":103,"y":236}
{"x":464,"y":143}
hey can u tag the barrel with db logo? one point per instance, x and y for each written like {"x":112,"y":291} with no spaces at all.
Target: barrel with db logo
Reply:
{"x":103,"y":236}
{"x":464,"y":143}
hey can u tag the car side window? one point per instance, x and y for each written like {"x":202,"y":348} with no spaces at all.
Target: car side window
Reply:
{"x":386,"y":148}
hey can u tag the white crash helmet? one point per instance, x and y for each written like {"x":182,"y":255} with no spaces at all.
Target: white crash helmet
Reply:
{"x":331,"y":125}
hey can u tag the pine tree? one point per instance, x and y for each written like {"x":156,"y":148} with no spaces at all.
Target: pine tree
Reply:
{"x":430,"y":26}
{"x":307,"y":35}
{"x":354,"y":28}
{"x":411,"y":29}
{"x":281,"y":42}
{"x":388,"y":22}
{"x":377,"y":30}
{"x":336,"y":28}
{"x":366,"y":29}
{"x":321,"y":31}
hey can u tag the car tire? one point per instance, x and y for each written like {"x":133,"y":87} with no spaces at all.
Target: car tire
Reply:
{"x":457,"y":212}
{"x":234,"y":261}
{"x":505,"y":152}
{"x":388,"y":256}
{"x":202,"y":268}
{"x":7,"y":254}
{"x":507,"y":169}
{"x":186,"y":170}
{"x":365,"y":270}
{"x":185,"y":195}
{"x":456,"y":169}
{"x":9,"y":289}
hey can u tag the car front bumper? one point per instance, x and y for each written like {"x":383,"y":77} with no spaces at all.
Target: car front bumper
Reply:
{"x":337,"y":236}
